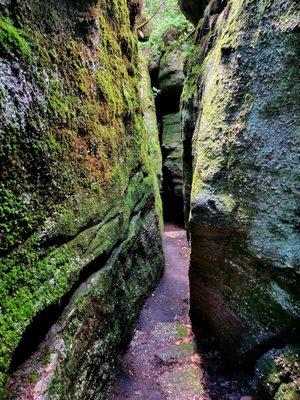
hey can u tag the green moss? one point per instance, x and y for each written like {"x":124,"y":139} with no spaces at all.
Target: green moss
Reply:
{"x":46,"y":359}
{"x":34,"y":377}
{"x":288,"y":392}
{"x":170,"y":27}
{"x":286,"y":93}
{"x":12,"y":40}
{"x":67,"y":173}
{"x":181,"y":331}
{"x":277,"y":373}
{"x":150,"y":146}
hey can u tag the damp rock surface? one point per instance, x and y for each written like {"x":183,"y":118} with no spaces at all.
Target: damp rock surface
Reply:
{"x":240,"y":117}
{"x":80,"y":207}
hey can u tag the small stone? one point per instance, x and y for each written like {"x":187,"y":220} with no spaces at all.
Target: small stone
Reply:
{"x":174,"y":354}
{"x":182,"y":383}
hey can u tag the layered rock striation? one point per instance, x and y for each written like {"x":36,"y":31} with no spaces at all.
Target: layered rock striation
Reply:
{"x":240,"y":117}
{"x":80,"y":236}
{"x":165,"y":51}
{"x":170,"y":84}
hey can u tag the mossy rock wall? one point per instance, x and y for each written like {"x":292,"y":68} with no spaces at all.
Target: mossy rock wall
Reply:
{"x":77,"y":194}
{"x":240,"y":116}
{"x":277,"y":374}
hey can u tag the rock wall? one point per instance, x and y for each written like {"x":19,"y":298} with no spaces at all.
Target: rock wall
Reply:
{"x":193,"y":9}
{"x":164,"y":48}
{"x":240,"y":116}
{"x":170,"y":84}
{"x":80,"y":236}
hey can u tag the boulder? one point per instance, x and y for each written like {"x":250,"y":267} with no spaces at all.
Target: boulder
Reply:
{"x":277,"y":374}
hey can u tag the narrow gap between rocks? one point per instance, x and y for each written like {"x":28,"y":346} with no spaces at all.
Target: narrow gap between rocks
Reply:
{"x":96,"y":127}
{"x":164,"y":360}
{"x":162,"y":356}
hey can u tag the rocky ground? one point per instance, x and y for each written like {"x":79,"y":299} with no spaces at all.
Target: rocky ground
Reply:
{"x":162,"y":362}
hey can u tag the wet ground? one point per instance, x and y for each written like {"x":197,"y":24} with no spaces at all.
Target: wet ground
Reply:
{"x":162,"y":362}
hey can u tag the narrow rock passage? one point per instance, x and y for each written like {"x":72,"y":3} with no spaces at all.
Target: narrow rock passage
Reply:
{"x":161,"y":362}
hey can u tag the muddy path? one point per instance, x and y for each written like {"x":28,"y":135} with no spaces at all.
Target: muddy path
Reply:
{"x":162,"y":361}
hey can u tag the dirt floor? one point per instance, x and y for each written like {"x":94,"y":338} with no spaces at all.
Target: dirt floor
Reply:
{"x":162,"y":361}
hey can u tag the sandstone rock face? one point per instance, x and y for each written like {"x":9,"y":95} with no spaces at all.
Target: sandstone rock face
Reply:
{"x":152,"y":145}
{"x":240,"y":110}
{"x":170,"y":79}
{"x":80,"y":236}
{"x":172,"y":166}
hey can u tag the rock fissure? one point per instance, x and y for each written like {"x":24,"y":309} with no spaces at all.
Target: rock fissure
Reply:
{"x":115,"y":118}
{"x":40,"y":326}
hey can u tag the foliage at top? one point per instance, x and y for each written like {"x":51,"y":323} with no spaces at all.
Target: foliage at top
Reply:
{"x":170,"y":27}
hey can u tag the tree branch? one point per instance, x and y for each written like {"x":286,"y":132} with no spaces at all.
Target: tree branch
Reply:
{"x":149,"y":19}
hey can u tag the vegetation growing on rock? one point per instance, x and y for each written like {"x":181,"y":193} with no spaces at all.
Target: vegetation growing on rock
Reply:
{"x":170,"y":27}
{"x":73,"y":143}
{"x":277,"y":374}
{"x":84,"y":142}
{"x":239,"y":168}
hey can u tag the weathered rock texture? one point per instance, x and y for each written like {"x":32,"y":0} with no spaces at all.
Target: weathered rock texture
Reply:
{"x":172,"y":167}
{"x":80,"y":239}
{"x":241,"y":144}
{"x":170,"y":83}
{"x":278,"y":374}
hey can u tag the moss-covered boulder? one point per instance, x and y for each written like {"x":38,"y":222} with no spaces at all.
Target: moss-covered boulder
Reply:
{"x":277,"y":374}
{"x":80,"y":239}
{"x":241,"y":141}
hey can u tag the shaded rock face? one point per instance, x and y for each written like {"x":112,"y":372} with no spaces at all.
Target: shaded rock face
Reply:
{"x":193,"y":9}
{"x":170,"y":83}
{"x":172,"y":167}
{"x":239,"y":112}
{"x":80,"y":236}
